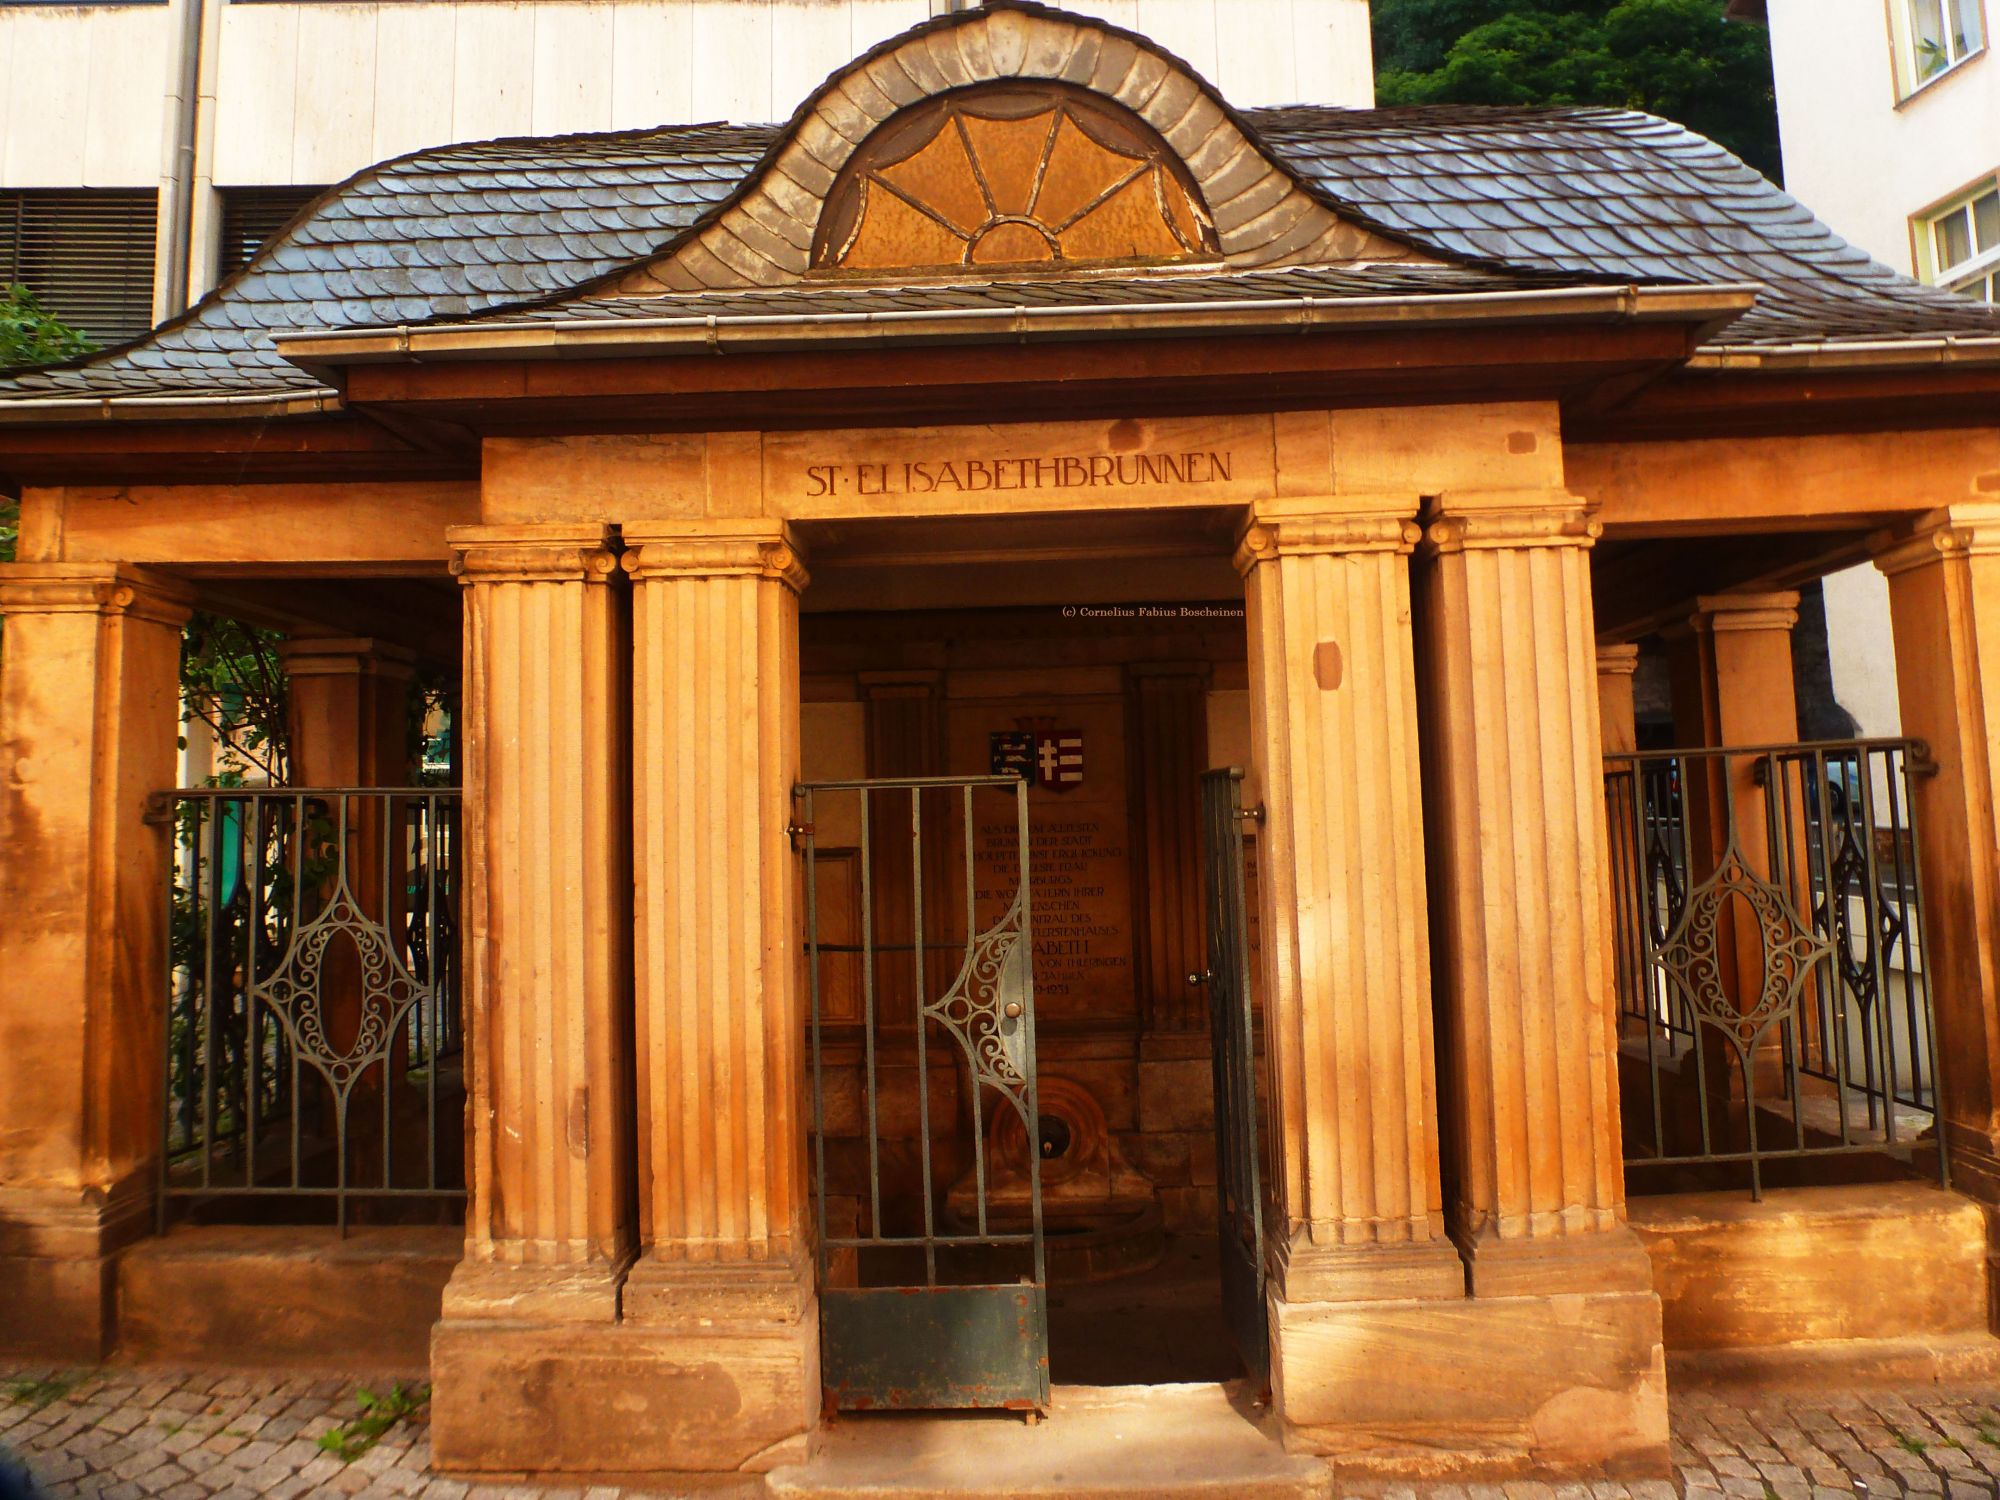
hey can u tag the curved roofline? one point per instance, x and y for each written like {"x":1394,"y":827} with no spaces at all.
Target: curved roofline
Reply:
{"x":766,"y":164}
{"x":261,"y":260}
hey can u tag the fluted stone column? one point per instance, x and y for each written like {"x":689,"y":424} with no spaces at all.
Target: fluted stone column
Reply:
{"x":544,"y":914}
{"x":1944,"y":604}
{"x":89,"y":685}
{"x":1341,"y":890}
{"x":726,"y":1265}
{"x":1518,"y":861}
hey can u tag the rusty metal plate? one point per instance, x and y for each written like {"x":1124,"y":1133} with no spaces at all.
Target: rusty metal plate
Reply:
{"x":935,"y":1348}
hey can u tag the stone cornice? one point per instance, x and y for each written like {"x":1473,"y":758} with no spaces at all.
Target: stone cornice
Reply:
{"x":759,"y":549}
{"x":1470,"y":521}
{"x":93,"y":588}
{"x":531,"y":554}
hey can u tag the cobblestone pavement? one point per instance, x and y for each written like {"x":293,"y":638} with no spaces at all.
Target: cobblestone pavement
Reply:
{"x":121,"y":1433}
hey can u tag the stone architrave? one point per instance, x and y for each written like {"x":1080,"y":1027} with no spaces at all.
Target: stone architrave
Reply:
{"x":1524,"y":996}
{"x":1944,"y":605}
{"x":89,"y":703}
{"x":549,"y":1230}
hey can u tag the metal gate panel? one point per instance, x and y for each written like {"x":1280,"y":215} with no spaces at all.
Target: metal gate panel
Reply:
{"x":1238,"y":1175}
{"x":932,"y":1306}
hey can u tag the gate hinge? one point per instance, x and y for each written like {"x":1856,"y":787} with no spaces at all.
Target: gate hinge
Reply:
{"x":159,"y":809}
{"x":1255,"y":814}
{"x":799,"y":831}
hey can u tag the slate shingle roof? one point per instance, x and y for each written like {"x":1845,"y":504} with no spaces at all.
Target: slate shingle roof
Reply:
{"x":1331,"y":283}
{"x":439,"y":233}
{"x":1582,"y":195}
{"x":1609,"y":193}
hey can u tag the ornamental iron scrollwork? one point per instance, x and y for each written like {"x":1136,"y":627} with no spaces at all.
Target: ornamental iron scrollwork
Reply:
{"x":1694,"y":962}
{"x":296,"y":992}
{"x":985,"y":1011}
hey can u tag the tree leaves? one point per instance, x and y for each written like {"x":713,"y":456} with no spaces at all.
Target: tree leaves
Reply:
{"x":32,"y":335}
{"x":1677,"y":58}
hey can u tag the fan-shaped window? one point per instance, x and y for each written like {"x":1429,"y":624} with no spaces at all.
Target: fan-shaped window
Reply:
{"x":1011,"y":176}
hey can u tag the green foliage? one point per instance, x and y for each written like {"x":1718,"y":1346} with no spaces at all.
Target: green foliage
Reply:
{"x":10,"y":527}
{"x":32,"y":335}
{"x":233,"y":680}
{"x":357,"y":1435}
{"x":1677,"y":58}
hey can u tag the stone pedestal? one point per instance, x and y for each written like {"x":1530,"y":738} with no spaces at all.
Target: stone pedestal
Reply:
{"x":1944,"y":603}
{"x":549,"y":1223}
{"x":89,"y":687}
{"x":723,"y":1287}
{"x":1567,"y":1345}
{"x":1358,"y":1248}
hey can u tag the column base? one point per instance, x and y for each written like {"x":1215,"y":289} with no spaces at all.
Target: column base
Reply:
{"x":711,"y":1369}
{"x":1551,"y":1380}
{"x":59,"y":1267}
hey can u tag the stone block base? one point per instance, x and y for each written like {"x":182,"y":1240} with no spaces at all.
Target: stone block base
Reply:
{"x":1809,"y":1265}
{"x":1557,"y":1385}
{"x":620,"y":1398}
{"x":301,"y":1298}
{"x":58,"y":1310}
{"x":59,"y":1266}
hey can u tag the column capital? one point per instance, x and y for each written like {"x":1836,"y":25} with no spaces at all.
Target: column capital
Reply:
{"x":94,"y":588}
{"x":1470,"y":520}
{"x":1617,"y":658}
{"x":718,"y":549}
{"x":531,"y":554}
{"x":1325,"y":525}
{"x":1971,"y":530}
{"x":346,"y":656}
{"x":1720,"y":614}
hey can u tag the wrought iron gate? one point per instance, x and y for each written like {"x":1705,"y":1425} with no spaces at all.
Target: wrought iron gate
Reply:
{"x":1239,"y":1184}
{"x":919,"y":950}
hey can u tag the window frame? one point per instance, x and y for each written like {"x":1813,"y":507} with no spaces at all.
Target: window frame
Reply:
{"x":1979,"y":265}
{"x":1900,"y":18}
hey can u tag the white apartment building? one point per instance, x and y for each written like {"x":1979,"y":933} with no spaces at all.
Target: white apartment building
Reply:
{"x":1890,"y":111}
{"x":147,"y":147}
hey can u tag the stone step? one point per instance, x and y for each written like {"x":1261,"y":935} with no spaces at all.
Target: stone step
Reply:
{"x":1164,"y":1442}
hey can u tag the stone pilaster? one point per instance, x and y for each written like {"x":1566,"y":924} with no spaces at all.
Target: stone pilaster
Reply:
{"x":89,"y":703}
{"x":1617,"y":717}
{"x":1731,"y":664}
{"x":1167,"y":737}
{"x":549,"y":1229}
{"x":349,"y":710}
{"x":1944,"y":605}
{"x":1516,"y":817}
{"x":726,"y":1264}
{"x":1345,"y":954}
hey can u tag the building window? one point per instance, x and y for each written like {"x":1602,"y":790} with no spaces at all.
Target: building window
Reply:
{"x":86,"y":254}
{"x":1932,"y":37}
{"x":1959,"y":244}
{"x":251,"y":216}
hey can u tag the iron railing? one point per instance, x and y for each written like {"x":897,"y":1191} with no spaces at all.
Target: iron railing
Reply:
{"x":1768,"y":927}
{"x":313,"y":1039}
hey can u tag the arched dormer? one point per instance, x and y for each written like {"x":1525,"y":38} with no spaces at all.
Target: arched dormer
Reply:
{"x":863,"y":138}
{"x":1022,"y":173}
